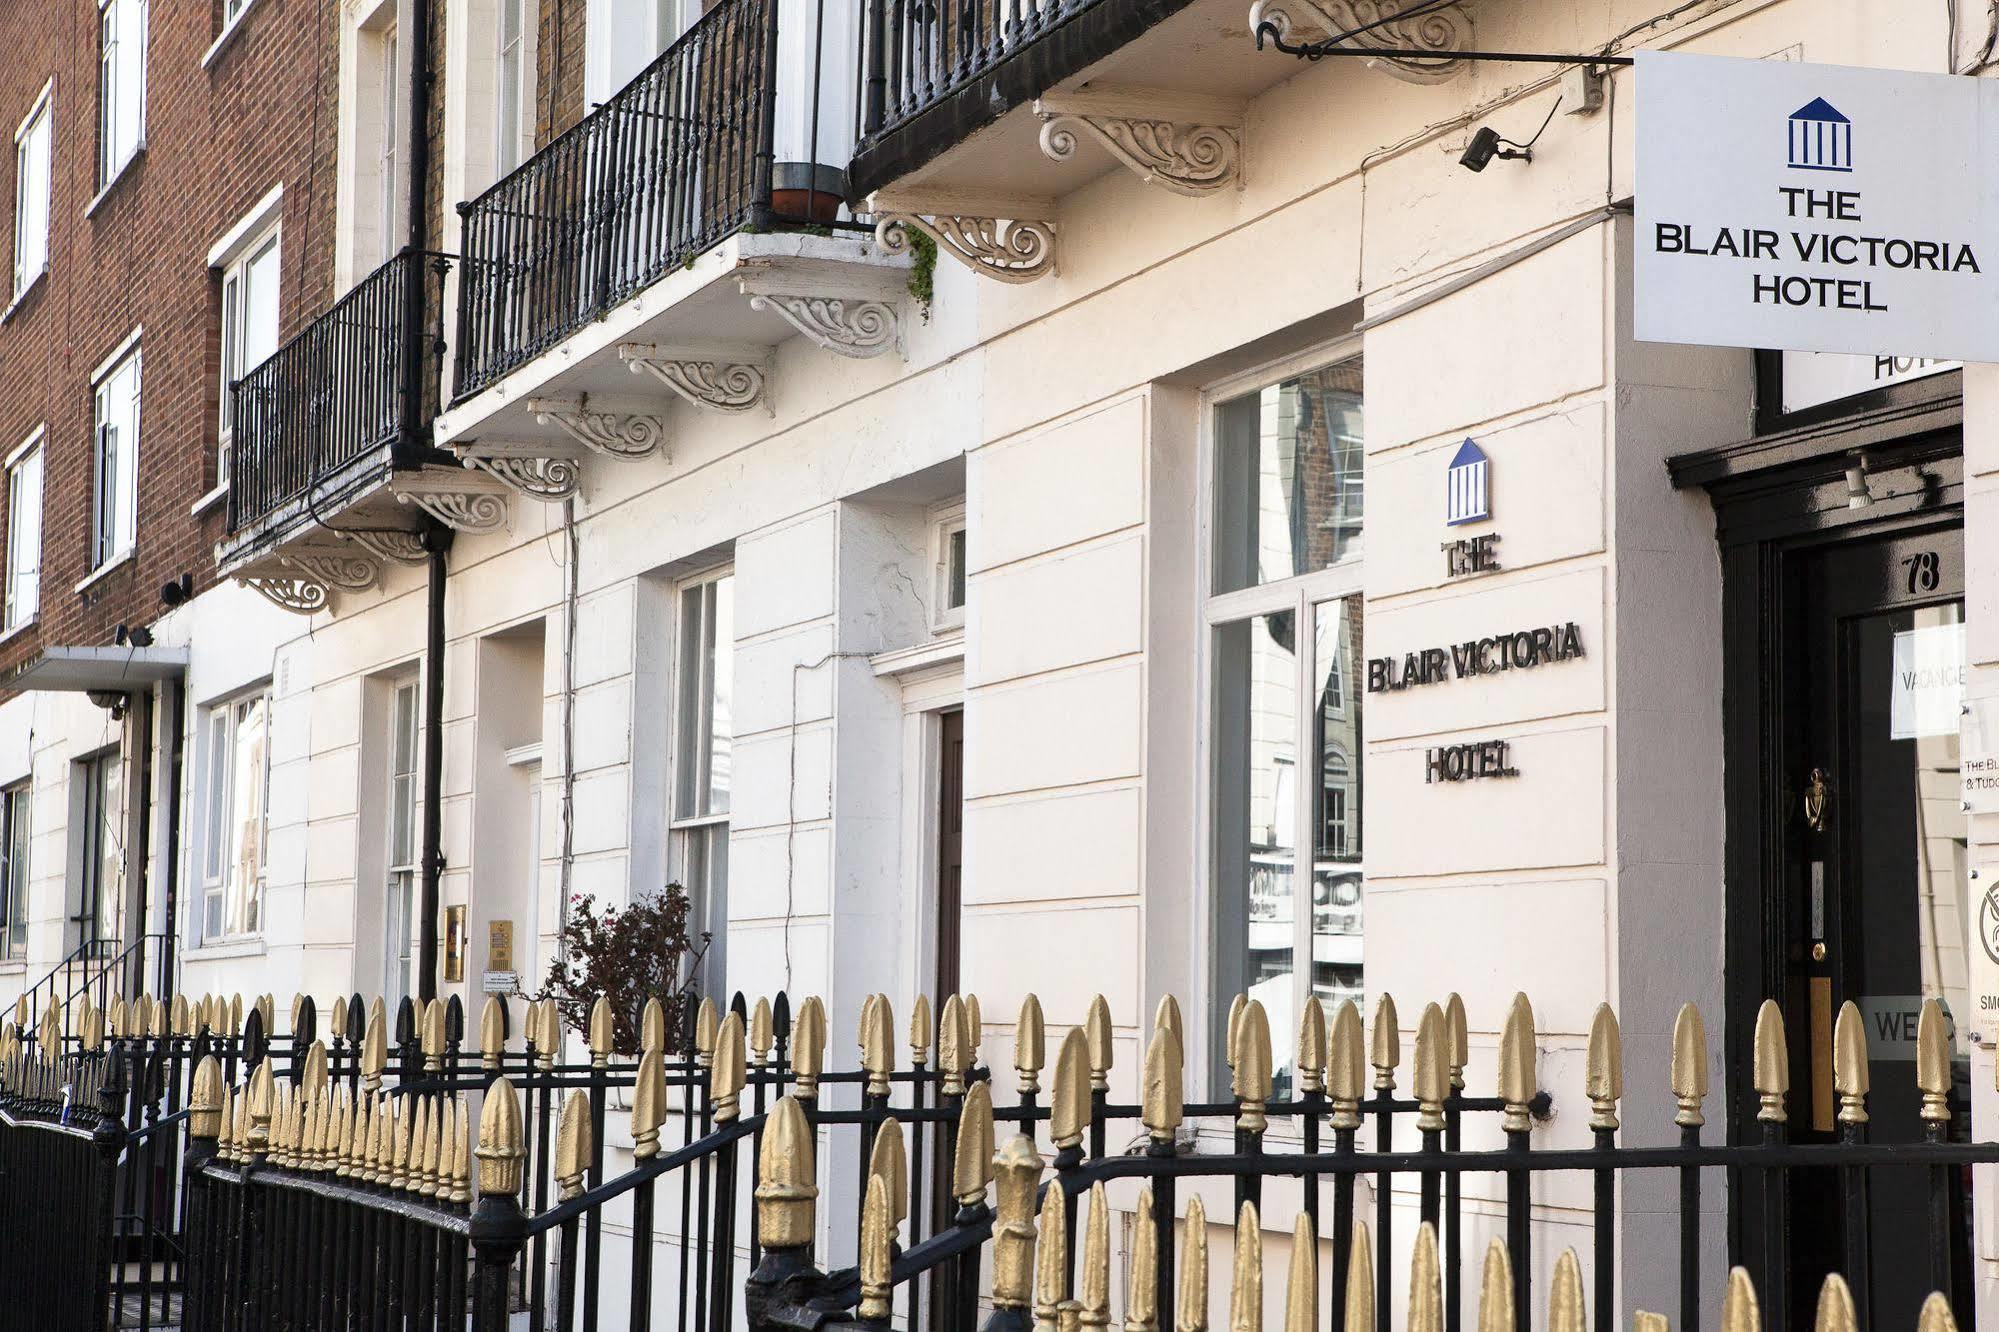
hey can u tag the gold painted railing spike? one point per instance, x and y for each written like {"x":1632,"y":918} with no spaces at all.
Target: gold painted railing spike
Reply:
{"x":861,"y":1032}
{"x":652,"y":1025}
{"x":1936,"y":1315}
{"x":1252,"y":1068}
{"x":1141,"y":1307}
{"x":337,"y":1019}
{"x":1167,"y":1014}
{"x":268,"y":1007}
{"x":374,"y":1048}
{"x":1385,"y":1047}
{"x":728,"y":1073}
{"x":262,"y":1099}
{"x":1850,"y":1077}
{"x":808,"y":1047}
{"x":975,"y":1029}
{"x":1346,"y":1065}
{"x":236,"y":1014}
{"x":1604,"y":1075}
{"x":1246,"y":1288}
{"x":501,"y":1150}
{"x":92,"y":1034}
{"x":1689,"y":1072}
{"x":1051,"y":1258}
{"x":204,"y":1100}
{"x":1097,"y":1030}
{"x":1426,"y":1283}
{"x":1565,"y":1296}
{"x":878,"y":1044}
{"x":545,"y":1027}
{"x":1460,"y":1037}
{"x":114,"y":1017}
{"x":1835,"y":1311}
{"x":1236,"y":1005}
{"x":1495,"y":1291}
{"x":972,"y":1171}
{"x":954,"y":1047}
{"x":648,"y":1105}
{"x":787,"y":1188}
{"x":1649,"y":1322}
{"x":1017,"y":1172}
{"x":707,"y":1025}
{"x":1933,"y":1062}
{"x":877,"y":1249}
{"x":1772,"y":1064}
{"x":1193,"y":1289}
{"x":762,"y":1035}
{"x":890,"y":1159}
{"x":180,"y":1020}
{"x":1516,"y":1065}
{"x":1312,"y":1046}
{"x":1164,"y":1098}
{"x":1030,"y":1045}
{"x":1093,"y":1278}
{"x":1739,"y":1310}
{"x":407,"y":1124}
{"x":921,"y":1024}
{"x":1301,"y":1286}
{"x":1069,"y":1114}
{"x":1433,"y":1069}
{"x":599,"y":1035}
{"x":492,"y":1031}
{"x":1358,"y":1316}
{"x":573,"y":1146}
{"x":313,"y":1079}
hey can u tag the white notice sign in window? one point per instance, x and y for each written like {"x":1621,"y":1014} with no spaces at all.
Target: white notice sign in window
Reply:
{"x":1928,"y":682}
{"x":1816,"y":208}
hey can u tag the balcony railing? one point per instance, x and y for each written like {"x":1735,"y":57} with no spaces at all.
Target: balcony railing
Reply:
{"x":676,"y":161}
{"x":362,"y":376}
{"x":916,"y":53}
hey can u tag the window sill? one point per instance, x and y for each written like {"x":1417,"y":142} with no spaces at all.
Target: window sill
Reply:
{"x":223,"y":949}
{"x":124,"y":170}
{"x":228,"y":33}
{"x":21,"y":296}
{"x":16,"y":967}
{"x":23,"y":627}
{"x":106,"y":569}
{"x":210,"y":500}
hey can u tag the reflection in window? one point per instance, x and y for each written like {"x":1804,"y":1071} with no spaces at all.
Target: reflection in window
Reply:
{"x":1289,"y":478}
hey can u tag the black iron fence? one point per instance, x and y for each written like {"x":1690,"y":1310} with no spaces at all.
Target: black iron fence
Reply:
{"x":916,"y":53}
{"x":673,"y":163}
{"x":359,"y":379}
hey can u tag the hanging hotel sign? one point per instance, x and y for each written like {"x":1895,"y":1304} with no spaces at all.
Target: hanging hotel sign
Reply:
{"x":1816,"y":208}
{"x":1812,"y":379}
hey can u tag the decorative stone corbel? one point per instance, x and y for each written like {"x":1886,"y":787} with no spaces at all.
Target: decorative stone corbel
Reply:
{"x":392,"y":545}
{"x":301,"y":595}
{"x":336,"y":566}
{"x":721,"y":379}
{"x":600,"y":429}
{"x":459,"y":497}
{"x":540,"y":471}
{"x":855,"y":318}
{"x":1006,"y":237}
{"x":1182,"y":142}
{"x":1445,"y":30}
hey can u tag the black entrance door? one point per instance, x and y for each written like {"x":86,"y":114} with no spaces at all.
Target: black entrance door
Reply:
{"x":1871,"y":902}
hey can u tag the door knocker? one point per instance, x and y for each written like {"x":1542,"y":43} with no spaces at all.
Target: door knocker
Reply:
{"x":1815,"y":800}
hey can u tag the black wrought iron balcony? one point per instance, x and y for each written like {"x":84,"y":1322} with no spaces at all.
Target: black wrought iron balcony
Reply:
{"x":671,"y":165}
{"x":359,"y":384}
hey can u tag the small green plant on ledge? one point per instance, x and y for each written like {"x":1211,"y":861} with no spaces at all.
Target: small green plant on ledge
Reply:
{"x":628,"y":955}
{"x":922,"y":268}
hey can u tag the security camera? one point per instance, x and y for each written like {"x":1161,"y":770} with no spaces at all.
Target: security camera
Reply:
{"x":1486,"y":144}
{"x":178,"y":592}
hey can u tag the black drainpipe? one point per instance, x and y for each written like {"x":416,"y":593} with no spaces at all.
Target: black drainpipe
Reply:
{"x":176,"y":756}
{"x":436,"y":541}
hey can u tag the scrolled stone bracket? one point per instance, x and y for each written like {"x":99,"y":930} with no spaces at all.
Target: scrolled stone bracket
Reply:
{"x":299,"y":594}
{"x":1187,"y":144}
{"x":719,"y":379}
{"x":461,"y":498}
{"x":1010,"y":238}
{"x":392,"y":545}
{"x":614,"y":434}
{"x":337,"y":566}
{"x":1377,"y":24}
{"x":548,"y":473}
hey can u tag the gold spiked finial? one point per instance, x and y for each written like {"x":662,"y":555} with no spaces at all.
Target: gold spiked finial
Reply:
{"x":204,"y":1102}
{"x":648,"y":1106}
{"x":1312,"y":1046}
{"x":1030,"y":1045}
{"x":707,"y":1025}
{"x":1386,"y":1050}
{"x":1069,"y":1114}
{"x":1495,"y":1291}
{"x":954,"y":1048}
{"x":973,"y":1169}
{"x":1301,"y":1288}
{"x":1739,"y":1311}
{"x":1167,"y":1014}
{"x":1141,"y":1304}
{"x":920,"y":1027}
{"x":1689,"y":1074}
{"x":786,"y":1178}
{"x":652,"y":1025}
{"x":1426,"y":1283}
{"x":263,"y":1104}
{"x":1252,"y":1068}
{"x":600,"y":1032}
{"x":1604,"y":1077}
{"x":1051,"y":1259}
{"x":1433,"y":1069}
{"x":1772,"y":1064}
{"x":338,"y":1021}
{"x":726,"y":1075}
{"x":808,"y":1047}
{"x":1346,"y":1066}
{"x":1849,"y":1064}
{"x":1933,"y":1063}
{"x":180,"y":1020}
{"x":573,"y":1146}
{"x":1193,"y":1293}
{"x":1236,"y":1006}
{"x":1565,"y":1296}
{"x":1093,"y":1281}
{"x":1097,"y":1030}
{"x":877,"y":1044}
{"x":492,"y":1032}
{"x":890,"y":1160}
{"x":500,"y":1148}
{"x":1936,"y":1315}
{"x":1454,"y":1023}
{"x":114,"y":1017}
{"x":1017,"y":1170}
{"x":374,"y":1050}
{"x":1836,"y":1312}
{"x":1649,"y":1322}
{"x":1246,"y":1295}
{"x":975,"y":1029}
{"x":1516,"y":1066}
{"x":1164,"y":1099}
{"x":877,"y":1250}
{"x":92,"y":1034}
{"x":1359,"y":1313}
{"x":313,"y":1078}
{"x":762,"y":1036}
{"x":545,"y":1029}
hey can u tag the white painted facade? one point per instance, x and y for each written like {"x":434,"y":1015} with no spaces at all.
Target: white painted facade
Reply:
{"x":1073,"y":417}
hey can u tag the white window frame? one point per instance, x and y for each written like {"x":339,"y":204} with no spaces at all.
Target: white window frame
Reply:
{"x":20,"y":599}
{"x":400,"y":883}
{"x":708,"y":910}
{"x":235,"y":306}
{"x":108,"y":548}
{"x":1302,"y":594}
{"x":17,"y":804}
{"x":947,"y":520}
{"x":123,"y":33}
{"x":514,"y":143}
{"x":40,"y":117}
{"x":221,"y":724}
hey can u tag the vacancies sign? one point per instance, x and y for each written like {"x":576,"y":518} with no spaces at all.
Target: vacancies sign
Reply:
{"x":1816,"y":208}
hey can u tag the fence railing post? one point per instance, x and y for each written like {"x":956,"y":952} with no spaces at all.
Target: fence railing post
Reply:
{"x":499,"y":1228}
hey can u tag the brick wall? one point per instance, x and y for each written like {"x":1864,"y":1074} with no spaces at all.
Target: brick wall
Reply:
{"x":558,"y":68}
{"x":218,"y":139}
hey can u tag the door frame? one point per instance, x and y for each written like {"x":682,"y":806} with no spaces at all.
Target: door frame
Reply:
{"x":1766,"y":521}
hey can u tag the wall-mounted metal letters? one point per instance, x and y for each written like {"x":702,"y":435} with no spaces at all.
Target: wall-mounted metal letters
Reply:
{"x":1519,"y":651}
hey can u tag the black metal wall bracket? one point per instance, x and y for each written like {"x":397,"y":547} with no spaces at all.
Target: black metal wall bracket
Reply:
{"x":1331,"y":47}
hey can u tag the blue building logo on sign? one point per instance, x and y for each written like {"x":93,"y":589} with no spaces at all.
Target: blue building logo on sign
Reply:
{"x":1821,"y":138}
{"x":1467,"y":497}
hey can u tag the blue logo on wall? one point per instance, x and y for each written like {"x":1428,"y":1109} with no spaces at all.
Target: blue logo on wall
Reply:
{"x":1467,"y":496}
{"x":1821,"y":138}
